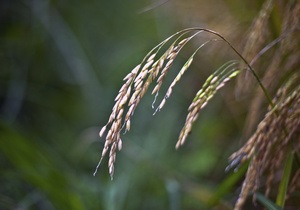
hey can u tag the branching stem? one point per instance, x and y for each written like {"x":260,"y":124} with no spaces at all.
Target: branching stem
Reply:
{"x":266,"y":93}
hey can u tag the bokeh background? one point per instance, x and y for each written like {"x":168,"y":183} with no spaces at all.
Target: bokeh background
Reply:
{"x":61,"y":64}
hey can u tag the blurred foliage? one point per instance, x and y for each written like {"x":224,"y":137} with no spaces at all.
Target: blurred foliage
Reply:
{"x":61,"y":64}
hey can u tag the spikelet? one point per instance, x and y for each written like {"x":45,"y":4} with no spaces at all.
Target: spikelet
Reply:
{"x":269,"y":145}
{"x":205,"y":94}
{"x":267,"y":149}
{"x":178,"y":77}
{"x":136,"y":85}
{"x":170,"y":55}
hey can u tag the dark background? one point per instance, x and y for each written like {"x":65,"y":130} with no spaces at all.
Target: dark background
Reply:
{"x":61,"y":64}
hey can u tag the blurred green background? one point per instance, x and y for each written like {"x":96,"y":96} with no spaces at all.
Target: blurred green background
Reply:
{"x":61,"y":64}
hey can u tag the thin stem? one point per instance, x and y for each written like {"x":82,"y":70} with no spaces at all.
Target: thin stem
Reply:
{"x":271,"y":44}
{"x":250,"y":68}
{"x":245,"y":61}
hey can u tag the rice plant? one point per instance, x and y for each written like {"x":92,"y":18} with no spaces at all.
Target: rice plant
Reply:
{"x":275,"y":143}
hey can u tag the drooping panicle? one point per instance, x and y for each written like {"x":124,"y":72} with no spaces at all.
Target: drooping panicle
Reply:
{"x":136,"y":84}
{"x":205,"y":94}
{"x":273,"y":139}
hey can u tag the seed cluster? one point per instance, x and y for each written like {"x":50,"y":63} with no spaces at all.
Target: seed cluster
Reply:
{"x":214,"y":82}
{"x":276,"y":136}
{"x":138,"y":81}
{"x":136,"y":85}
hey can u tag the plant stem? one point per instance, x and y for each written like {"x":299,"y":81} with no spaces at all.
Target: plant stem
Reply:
{"x":266,"y":93}
{"x":285,"y":180}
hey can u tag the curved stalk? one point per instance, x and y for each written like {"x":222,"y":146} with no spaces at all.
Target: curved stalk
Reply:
{"x":239,"y":54}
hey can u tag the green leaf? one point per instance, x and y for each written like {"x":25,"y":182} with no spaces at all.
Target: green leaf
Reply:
{"x":36,"y":166}
{"x":285,"y":180}
{"x":227,"y":185}
{"x":266,"y":202}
